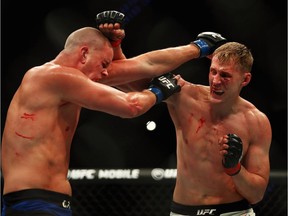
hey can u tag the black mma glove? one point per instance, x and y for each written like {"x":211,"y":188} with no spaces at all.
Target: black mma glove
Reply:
{"x":231,"y":160}
{"x":164,"y":86}
{"x":111,"y":17}
{"x":208,"y":42}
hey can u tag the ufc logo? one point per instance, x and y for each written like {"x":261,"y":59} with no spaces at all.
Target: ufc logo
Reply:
{"x":206,"y":211}
{"x":166,"y":81}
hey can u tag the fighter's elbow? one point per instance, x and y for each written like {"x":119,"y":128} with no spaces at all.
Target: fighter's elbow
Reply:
{"x":137,"y":104}
{"x":132,"y":113}
{"x":256,"y":198}
{"x":136,"y":110}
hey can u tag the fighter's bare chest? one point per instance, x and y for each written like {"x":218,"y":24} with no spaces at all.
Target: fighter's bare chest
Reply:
{"x":196,"y":127}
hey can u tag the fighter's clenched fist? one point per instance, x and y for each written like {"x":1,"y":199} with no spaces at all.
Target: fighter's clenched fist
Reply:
{"x":164,"y":86}
{"x":231,"y":148}
{"x":110,"y":17}
{"x":111,"y":23}
{"x":207,"y":42}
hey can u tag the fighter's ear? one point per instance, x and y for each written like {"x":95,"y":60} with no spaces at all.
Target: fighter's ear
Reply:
{"x":246,"y":79}
{"x":84,"y":52}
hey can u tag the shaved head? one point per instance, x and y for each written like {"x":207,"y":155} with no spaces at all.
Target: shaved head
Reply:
{"x":87,"y":36}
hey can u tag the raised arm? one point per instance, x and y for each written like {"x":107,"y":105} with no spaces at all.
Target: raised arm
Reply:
{"x":111,"y":24}
{"x":157,"y":62}
{"x":154,"y":63}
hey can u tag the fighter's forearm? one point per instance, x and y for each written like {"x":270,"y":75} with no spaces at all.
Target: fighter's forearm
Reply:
{"x":149,"y":65}
{"x":168,"y":59}
{"x":118,"y":53}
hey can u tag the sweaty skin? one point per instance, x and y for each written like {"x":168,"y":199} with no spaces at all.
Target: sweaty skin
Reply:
{"x":202,"y":115}
{"x":44,"y":112}
{"x":42,"y":119}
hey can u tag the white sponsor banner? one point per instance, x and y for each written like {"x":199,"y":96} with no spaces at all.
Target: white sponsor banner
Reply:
{"x":156,"y":174}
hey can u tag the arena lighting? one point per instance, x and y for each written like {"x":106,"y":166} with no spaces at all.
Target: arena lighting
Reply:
{"x":150,"y":125}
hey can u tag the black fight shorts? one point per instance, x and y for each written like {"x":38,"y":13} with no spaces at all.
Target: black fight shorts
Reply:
{"x":36,"y":202}
{"x":235,"y":208}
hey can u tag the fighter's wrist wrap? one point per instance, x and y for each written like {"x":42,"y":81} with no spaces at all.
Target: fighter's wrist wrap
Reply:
{"x":233,"y":170}
{"x":164,"y":86}
{"x":203,"y":46}
{"x":115,"y":43}
{"x":158,"y":93}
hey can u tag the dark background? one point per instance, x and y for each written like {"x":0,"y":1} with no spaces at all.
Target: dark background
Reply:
{"x":33,"y":32}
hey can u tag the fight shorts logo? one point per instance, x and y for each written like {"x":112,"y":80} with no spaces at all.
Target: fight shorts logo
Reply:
{"x":66,"y":204}
{"x":206,"y":211}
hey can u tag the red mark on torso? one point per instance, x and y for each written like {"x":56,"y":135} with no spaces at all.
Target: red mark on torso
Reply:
{"x":26,"y":137}
{"x":28,"y":116}
{"x":201,"y":123}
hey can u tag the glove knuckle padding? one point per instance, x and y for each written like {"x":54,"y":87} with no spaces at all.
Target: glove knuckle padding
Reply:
{"x":110,"y":17}
{"x":208,"y":42}
{"x":233,"y":157}
{"x":211,"y":36}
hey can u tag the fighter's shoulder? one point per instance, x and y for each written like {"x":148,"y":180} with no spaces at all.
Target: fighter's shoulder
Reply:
{"x":196,"y":88}
{"x":52,"y":76}
{"x":59,"y":71}
{"x":189,"y":84}
{"x":259,"y":127}
{"x":46,"y":69}
{"x":254,"y":115}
